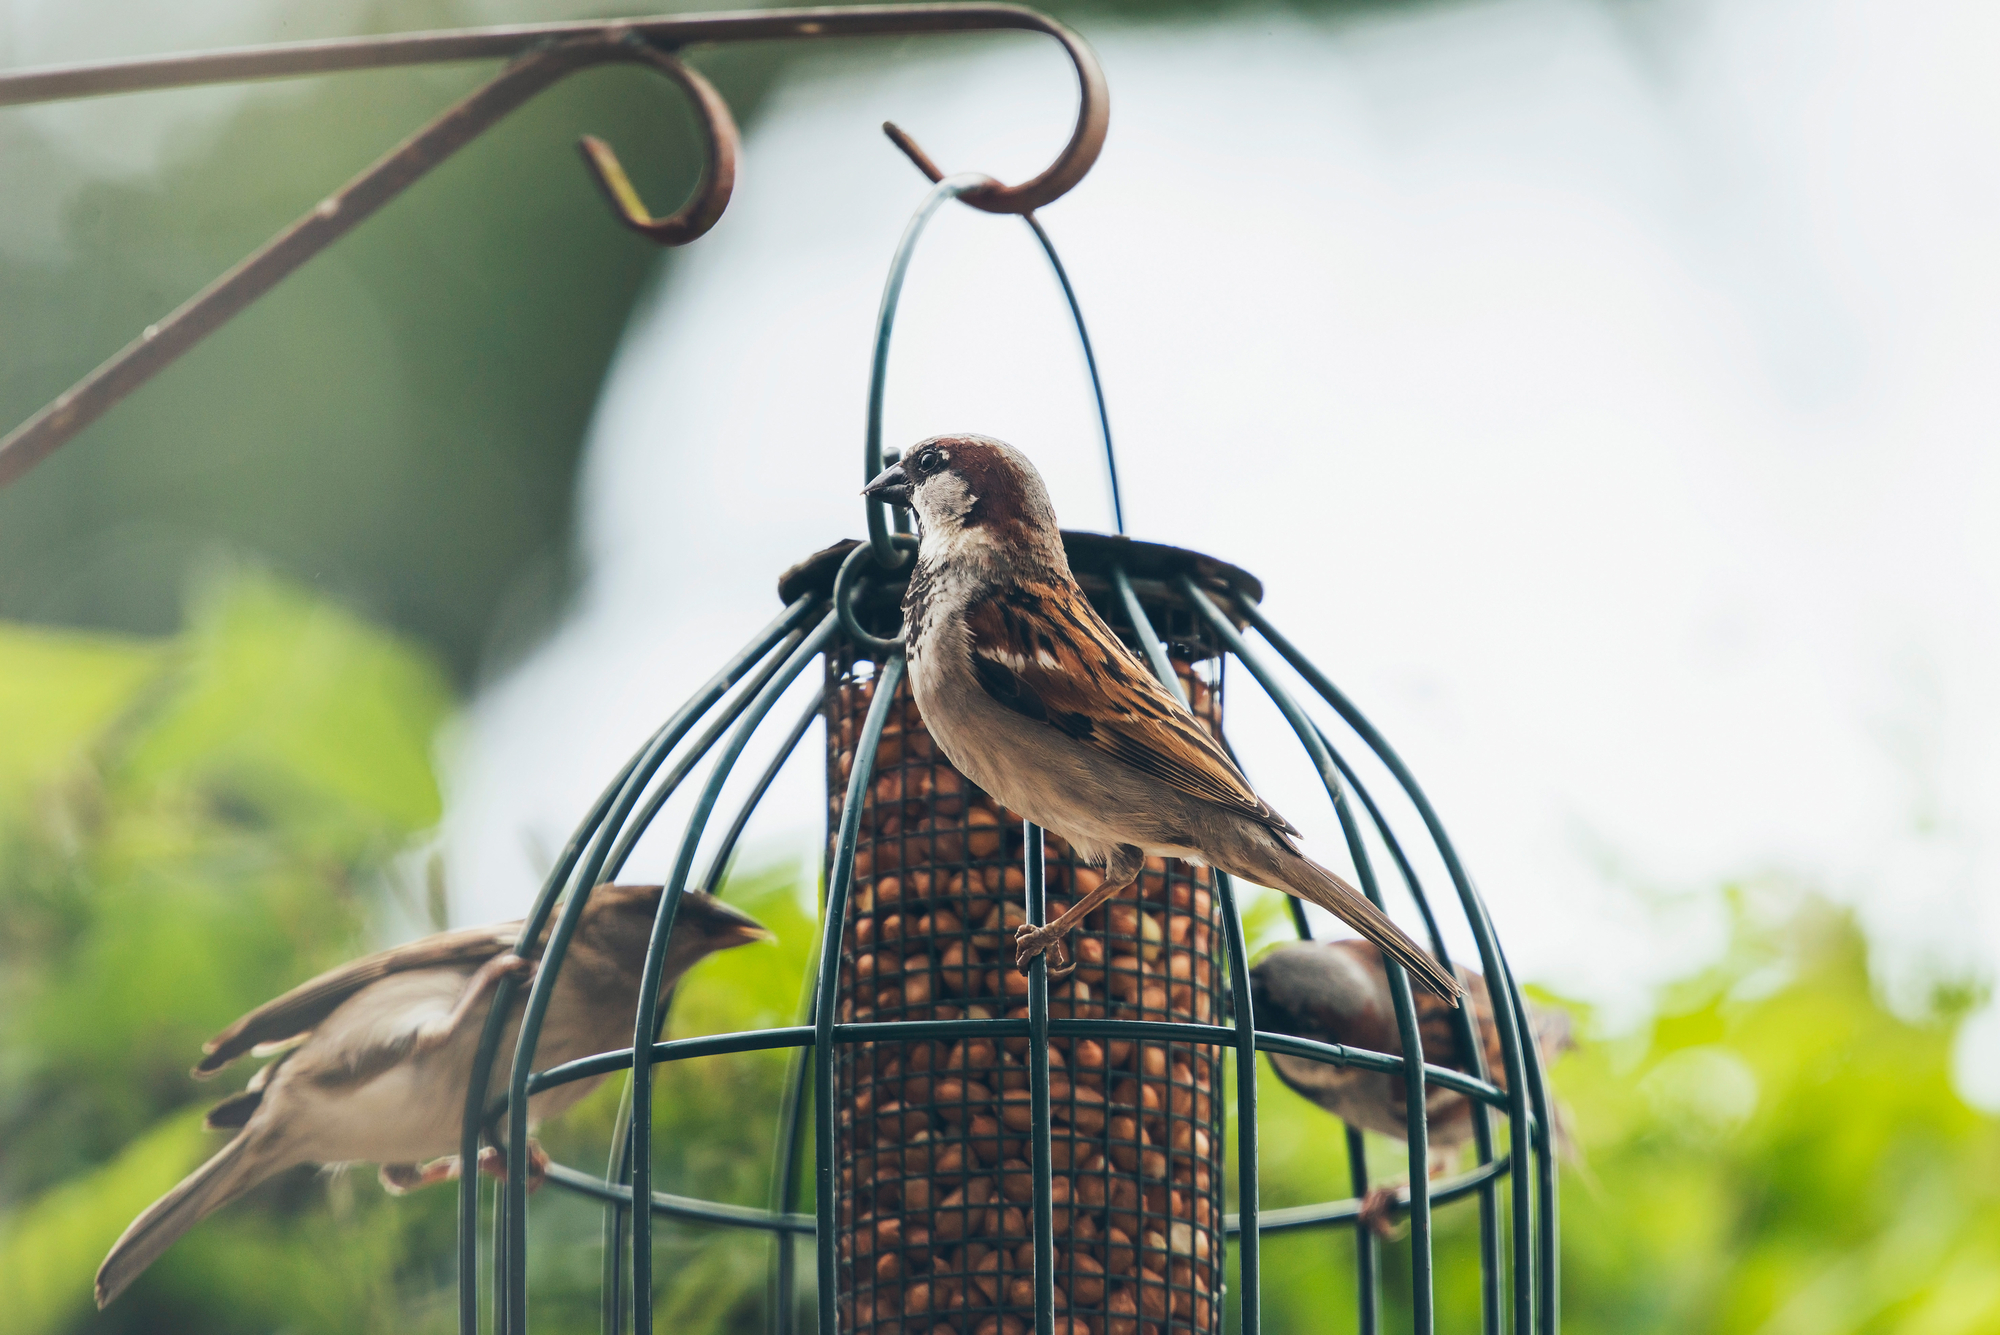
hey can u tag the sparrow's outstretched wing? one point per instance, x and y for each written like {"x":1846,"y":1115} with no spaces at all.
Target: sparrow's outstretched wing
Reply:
{"x":1041,"y":650}
{"x":300,"y":1009}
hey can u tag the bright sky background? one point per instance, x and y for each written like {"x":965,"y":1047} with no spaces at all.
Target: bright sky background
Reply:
{"x":1606,"y":402}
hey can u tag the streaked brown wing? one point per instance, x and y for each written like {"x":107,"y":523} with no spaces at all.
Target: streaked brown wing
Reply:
{"x":1043,"y":652}
{"x":300,"y":1009}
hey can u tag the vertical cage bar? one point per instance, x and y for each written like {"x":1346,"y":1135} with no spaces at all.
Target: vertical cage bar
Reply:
{"x":1422,"y":1299}
{"x":1142,"y":630}
{"x":825,"y":1176}
{"x":617,"y":1172}
{"x":1547,"y":1253}
{"x":620,"y":793}
{"x":1249,"y":1243}
{"x":1090,"y":362}
{"x":647,"y":1026}
{"x":1499,"y":986}
{"x":1472,"y":1052}
{"x":791,"y":1127}
{"x":1367,"y":1248}
{"x":718,"y":866}
{"x":1035,"y":872}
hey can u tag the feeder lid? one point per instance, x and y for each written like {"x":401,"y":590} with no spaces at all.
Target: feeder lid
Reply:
{"x":1091,"y":557}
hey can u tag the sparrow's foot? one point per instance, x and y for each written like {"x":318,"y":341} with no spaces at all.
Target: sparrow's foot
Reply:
{"x":493,"y":1163}
{"x":1030,"y":941}
{"x":1378,"y":1213}
{"x":400,"y":1179}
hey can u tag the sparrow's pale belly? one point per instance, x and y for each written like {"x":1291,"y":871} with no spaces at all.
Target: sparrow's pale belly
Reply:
{"x":1373,"y":1100}
{"x":413,"y":1111}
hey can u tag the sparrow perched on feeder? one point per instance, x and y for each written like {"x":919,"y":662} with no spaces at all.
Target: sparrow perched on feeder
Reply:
{"x":1337,"y":992}
{"x":1029,"y":693}
{"x":376,"y":1055}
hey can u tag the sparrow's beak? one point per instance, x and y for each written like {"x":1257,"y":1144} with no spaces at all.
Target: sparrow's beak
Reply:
{"x":892,"y":486}
{"x":746,"y":933}
{"x":734,"y":928}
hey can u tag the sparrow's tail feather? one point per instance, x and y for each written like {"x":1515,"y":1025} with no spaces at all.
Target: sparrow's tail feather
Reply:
{"x":223,"y":1178}
{"x":1301,"y":876}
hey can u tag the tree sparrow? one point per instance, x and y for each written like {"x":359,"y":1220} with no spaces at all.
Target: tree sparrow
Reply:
{"x":1031,"y":695}
{"x":1337,"y":992}
{"x":375,"y":1055}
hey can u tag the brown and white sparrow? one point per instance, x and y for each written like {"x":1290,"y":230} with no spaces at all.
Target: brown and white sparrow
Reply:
{"x":1031,"y":695}
{"x":1337,"y":992}
{"x":376,"y":1055}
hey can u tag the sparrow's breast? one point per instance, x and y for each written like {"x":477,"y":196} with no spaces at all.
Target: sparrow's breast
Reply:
{"x":1093,"y":801}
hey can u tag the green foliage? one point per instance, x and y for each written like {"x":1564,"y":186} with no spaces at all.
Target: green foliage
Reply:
{"x":1776,"y":1152}
{"x":190,"y":826}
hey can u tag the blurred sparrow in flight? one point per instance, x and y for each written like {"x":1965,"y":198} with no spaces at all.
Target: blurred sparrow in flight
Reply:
{"x":1031,"y":695}
{"x":1337,"y":992}
{"x":376,"y":1055}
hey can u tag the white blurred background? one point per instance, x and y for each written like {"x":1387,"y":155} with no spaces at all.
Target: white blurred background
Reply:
{"x":1604,"y":396}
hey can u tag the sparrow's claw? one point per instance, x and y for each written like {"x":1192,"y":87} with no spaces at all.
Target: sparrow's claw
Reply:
{"x":493,"y":1162}
{"x":400,"y":1179}
{"x":1030,"y":941}
{"x":518,"y":965}
{"x":1378,"y":1213}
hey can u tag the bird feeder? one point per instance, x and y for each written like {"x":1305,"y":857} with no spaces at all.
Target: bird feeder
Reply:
{"x":991,"y":1153}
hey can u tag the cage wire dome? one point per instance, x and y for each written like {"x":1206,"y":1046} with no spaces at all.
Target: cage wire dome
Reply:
{"x":991,"y":1152}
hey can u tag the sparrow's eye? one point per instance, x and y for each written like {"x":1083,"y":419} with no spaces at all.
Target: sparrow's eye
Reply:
{"x":927,"y":462}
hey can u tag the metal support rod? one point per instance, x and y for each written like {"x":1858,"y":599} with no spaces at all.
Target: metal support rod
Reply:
{"x":1096,"y":383}
{"x":163,"y":342}
{"x":1367,"y":1268}
{"x":1345,"y":1214}
{"x":544,"y":54}
{"x":616,"y":1173}
{"x":638,"y":824}
{"x":1512,"y":1041}
{"x":668,"y":32}
{"x":614,"y":1215}
{"x":1547,"y":1253}
{"x":1037,"y":906}
{"x":647,"y":1024}
{"x":791,"y":1126}
{"x":825,"y":1176}
{"x":1250,"y":1301}
{"x":888,"y":554}
{"x":917,"y":1031}
{"x":1149,"y":640}
{"x":718,"y":866}
{"x":1472,"y":1052}
{"x":1367,"y":1251}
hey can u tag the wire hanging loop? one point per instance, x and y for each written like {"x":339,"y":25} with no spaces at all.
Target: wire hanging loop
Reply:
{"x":890,"y":555}
{"x":847,"y":586}
{"x":718,"y":159}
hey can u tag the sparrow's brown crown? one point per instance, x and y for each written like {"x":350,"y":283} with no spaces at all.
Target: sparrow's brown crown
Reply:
{"x":962,"y":482}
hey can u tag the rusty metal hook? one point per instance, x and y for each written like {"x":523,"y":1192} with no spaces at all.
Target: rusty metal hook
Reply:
{"x":1093,"y":118}
{"x":718,"y":162}
{"x":542,"y":54}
